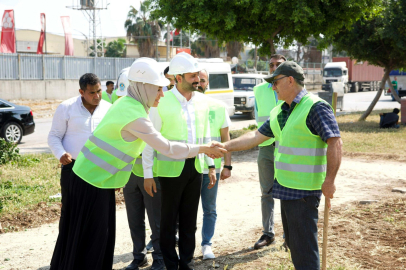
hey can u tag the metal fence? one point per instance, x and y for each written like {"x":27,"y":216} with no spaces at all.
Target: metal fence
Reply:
{"x":48,"y":67}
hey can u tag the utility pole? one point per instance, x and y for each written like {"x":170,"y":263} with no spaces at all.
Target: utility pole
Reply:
{"x":92,"y":10}
{"x":167,"y":42}
{"x":255,"y":56}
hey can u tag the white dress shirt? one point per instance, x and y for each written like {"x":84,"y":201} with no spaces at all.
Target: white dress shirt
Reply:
{"x":72,"y":125}
{"x":189,"y":112}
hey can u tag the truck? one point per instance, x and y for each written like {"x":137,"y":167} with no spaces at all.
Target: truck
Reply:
{"x":356,"y":75}
{"x":244,"y":99}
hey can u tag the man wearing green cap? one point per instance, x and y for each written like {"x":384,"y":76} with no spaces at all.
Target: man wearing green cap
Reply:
{"x":307,"y":158}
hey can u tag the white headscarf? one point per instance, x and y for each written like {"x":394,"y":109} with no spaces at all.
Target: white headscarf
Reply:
{"x":145,"y":93}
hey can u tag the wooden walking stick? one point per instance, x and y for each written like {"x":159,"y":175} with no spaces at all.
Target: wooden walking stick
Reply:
{"x":326,"y":209}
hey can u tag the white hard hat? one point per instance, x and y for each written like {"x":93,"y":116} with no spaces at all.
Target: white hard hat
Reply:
{"x":183,"y":63}
{"x":147,"y":70}
{"x":122,"y":83}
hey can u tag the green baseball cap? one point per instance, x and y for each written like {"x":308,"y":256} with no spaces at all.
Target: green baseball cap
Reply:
{"x":288,"y":68}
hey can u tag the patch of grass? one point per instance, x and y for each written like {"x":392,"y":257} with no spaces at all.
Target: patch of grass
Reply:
{"x":367,"y":138}
{"x":25,"y":183}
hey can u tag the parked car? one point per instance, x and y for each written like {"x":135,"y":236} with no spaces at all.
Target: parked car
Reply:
{"x":244,"y":99}
{"x":15,"y":121}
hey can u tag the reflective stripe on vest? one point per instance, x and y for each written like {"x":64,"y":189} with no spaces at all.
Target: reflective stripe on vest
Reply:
{"x":262,"y":120}
{"x":300,"y":156}
{"x":265,"y":99}
{"x":103,"y":164}
{"x":111,"y":149}
{"x":106,"y":160}
{"x":174,"y":128}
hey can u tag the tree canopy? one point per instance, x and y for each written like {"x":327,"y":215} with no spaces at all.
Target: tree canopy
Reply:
{"x":115,"y":48}
{"x":262,"y":22}
{"x":379,"y":38}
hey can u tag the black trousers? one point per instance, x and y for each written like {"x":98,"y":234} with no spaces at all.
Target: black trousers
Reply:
{"x":180,"y":195}
{"x":137,"y":200}
{"x":65,"y":174}
{"x":87,"y":232}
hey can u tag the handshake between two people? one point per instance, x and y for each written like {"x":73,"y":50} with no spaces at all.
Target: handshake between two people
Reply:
{"x":213,"y":149}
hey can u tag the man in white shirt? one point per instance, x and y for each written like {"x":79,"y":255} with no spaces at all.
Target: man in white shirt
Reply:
{"x":219,"y":124}
{"x":74,"y":121}
{"x":179,"y":194}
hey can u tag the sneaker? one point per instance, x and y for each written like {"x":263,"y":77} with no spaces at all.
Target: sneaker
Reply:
{"x":149,"y":247}
{"x":264,"y":241}
{"x":158,"y":264}
{"x":137,"y":263}
{"x":207,"y":252}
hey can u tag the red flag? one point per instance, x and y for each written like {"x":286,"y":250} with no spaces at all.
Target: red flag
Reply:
{"x":68,"y":35}
{"x":42,"y":36}
{"x":171,"y":36}
{"x":177,"y":31}
{"x":8,"y":38}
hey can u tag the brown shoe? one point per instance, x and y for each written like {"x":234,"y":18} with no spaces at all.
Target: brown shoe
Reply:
{"x":264,"y":241}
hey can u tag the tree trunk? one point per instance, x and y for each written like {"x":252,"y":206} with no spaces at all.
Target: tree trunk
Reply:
{"x":378,"y":95}
{"x":270,"y":41}
{"x":255,"y":57}
{"x":395,"y":95}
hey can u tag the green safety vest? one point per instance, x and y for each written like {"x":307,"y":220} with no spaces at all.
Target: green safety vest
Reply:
{"x":216,"y":119}
{"x":265,"y":99}
{"x":114,"y":96}
{"x":138,"y":170}
{"x":174,"y":128}
{"x":106,"y":159}
{"x":105,"y":96}
{"x":300,"y":156}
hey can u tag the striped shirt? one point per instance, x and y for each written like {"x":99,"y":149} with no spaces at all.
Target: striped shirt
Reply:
{"x":320,"y":121}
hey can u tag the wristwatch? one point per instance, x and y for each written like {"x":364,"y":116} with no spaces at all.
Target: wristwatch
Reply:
{"x":228,"y":167}
{"x":212,"y":167}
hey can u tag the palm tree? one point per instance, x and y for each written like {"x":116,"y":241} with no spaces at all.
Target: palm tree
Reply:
{"x":141,"y":29}
{"x":206,"y":46}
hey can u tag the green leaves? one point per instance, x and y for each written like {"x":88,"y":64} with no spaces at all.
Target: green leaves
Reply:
{"x":9,"y":152}
{"x":260,"y":21}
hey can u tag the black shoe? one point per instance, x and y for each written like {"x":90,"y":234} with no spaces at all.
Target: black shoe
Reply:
{"x":264,"y":241}
{"x":149,"y":247}
{"x":137,"y":263}
{"x":158,"y":264}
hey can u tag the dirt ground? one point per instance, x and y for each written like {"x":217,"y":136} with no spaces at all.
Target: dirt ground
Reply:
{"x":40,"y":108}
{"x":369,"y":236}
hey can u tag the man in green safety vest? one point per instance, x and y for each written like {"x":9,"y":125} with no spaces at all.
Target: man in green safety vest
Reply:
{"x":307,"y":158}
{"x":265,"y":100}
{"x":107,"y":95}
{"x":219,"y":129}
{"x":183,"y":116}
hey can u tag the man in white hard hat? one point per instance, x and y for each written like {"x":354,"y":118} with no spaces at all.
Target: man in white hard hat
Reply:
{"x":122,"y":84}
{"x":219,"y":128}
{"x":182,"y":115}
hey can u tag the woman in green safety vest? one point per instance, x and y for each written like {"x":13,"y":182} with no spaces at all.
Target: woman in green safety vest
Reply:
{"x":87,"y":233}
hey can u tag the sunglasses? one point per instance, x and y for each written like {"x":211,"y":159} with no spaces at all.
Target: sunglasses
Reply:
{"x":275,"y":81}
{"x":271,"y":65}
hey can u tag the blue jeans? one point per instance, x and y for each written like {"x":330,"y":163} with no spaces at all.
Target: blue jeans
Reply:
{"x":209,"y":197}
{"x":299,"y":219}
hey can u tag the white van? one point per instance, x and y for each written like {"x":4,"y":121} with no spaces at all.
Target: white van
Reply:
{"x":220,"y":82}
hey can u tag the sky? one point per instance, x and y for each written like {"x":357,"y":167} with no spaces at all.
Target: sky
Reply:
{"x":27,"y":16}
